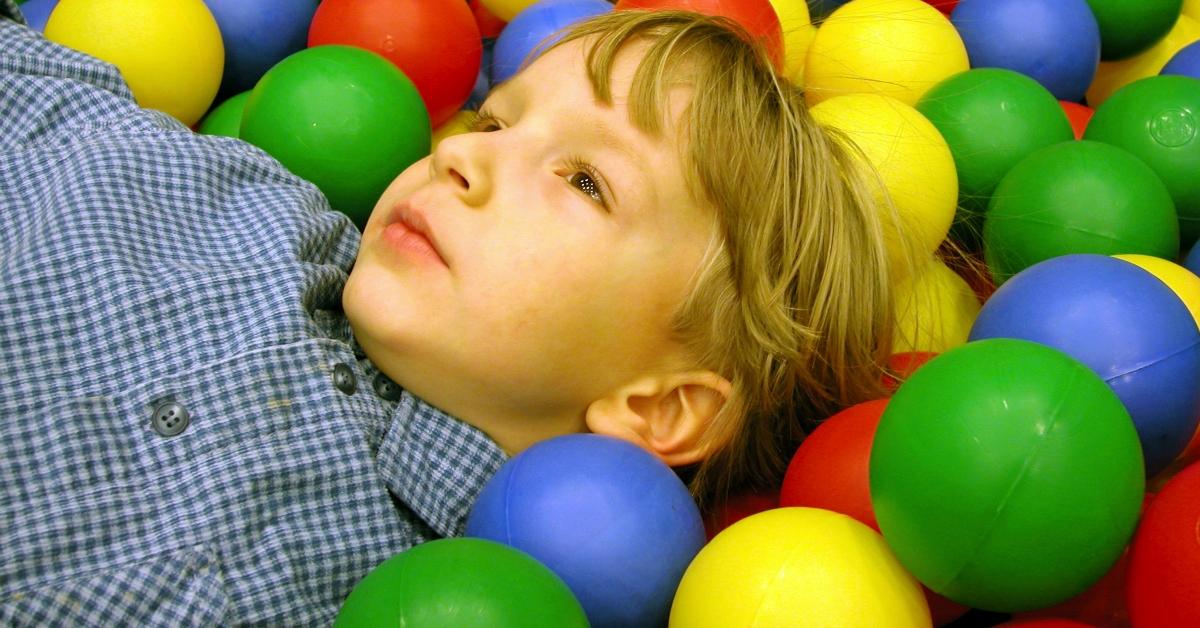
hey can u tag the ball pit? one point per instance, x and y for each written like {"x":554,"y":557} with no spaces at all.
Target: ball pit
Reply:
{"x":614,"y":522}
{"x":991,"y":118}
{"x":758,"y":17}
{"x":1113,"y":75}
{"x":797,"y":567}
{"x":1077,"y":197}
{"x":342,"y":117}
{"x":226,"y":118}
{"x":1162,"y":587}
{"x":37,"y":12}
{"x":898,"y":48}
{"x":1079,"y":115}
{"x":798,"y":31}
{"x":986,"y":475}
{"x":1193,"y":259}
{"x":436,"y":43}
{"x":459,"y":582}
{"x":1183,"y":282}
{"x":934,"y":310}
{"x":1186,"y":62}
{"x":169,"y":51}
{"x":1123,"y":323}
{"x":534,"y":28}
{"x":1158,"y":120}
{"x":506,"y":9}
{"x":1056,"y":43}
{"x":914,"y":163}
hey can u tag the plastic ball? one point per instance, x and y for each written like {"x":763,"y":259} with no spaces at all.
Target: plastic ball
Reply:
{"x":989,"y":466}
{"x":934,"y":310}
{"x":757,"y":17}
{"x":257,"y":35}
{"x":1079,"y":116}
{"x":1113,"y":75}
{"x":1158,"y":120}
{"x":1163,"y":586}
{"x":1191,"y":8}
{"x":1046,"y":623}
{"x":536,"y":27}
{"x":342,"y":117}
{"x":436,"y":43}
{"x":798,"y":33}
{"x":608,"y":517}
{"x":798,"y":567}
{"x":1192,"y":262}
{"x":459,"y":582}
{"x":901,"y":366}
{"x":822,"y":8}
{"x":1056,"y":42}
{"x":945,"y":6}
{"x":1183,"y":282}
{"x":226,"y":118}
{"x":1077,"y":197}
{"x":829,"y":469}
{"x":991,"y":119}
{"x":1186,"y":62}
{"x":897,"y":48}
{"x":913,"y":162}
{"x":506,"y":9}
{"x":37,"y":12}
{"x":1127,"y":28}
{"x":169,"y":51}
{"x":1124,"y":324}
{"x":735,"y":508}
{"x":459,"y":124}
{"x":489,"y":25}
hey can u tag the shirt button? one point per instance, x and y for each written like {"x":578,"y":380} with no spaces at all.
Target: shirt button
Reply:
{"x":170,"y":418}
{"x":343,"y":378}
{"x":386,"y":388}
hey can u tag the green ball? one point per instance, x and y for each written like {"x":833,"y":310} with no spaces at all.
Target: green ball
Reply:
{"x":1005,"y":475}
{"x":1077,"y":197}
{"x":342,"y":117}
{"x":226,"y":118}
{"x":461,"y":582}
{"x":1128,"y":27}
{"x":991,"y":118}
{"x":1158,"y":119}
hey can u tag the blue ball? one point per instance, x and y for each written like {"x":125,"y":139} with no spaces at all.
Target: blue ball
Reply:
{"x":258,"y":34}
{"x":1186,"y":62}
{"x":1056,"y":42}
{"x":614,"y":522}
{"x":822,"y":8}
{"x":37,"y":13}
{"x":1193,"y":259}
{"x":1123,"y":323}
{"x":538,"y":23}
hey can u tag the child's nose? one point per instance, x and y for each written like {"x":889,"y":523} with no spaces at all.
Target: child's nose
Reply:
{"x":460,"y":164}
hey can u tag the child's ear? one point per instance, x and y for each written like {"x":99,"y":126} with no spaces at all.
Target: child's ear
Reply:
{"x":664,"y":414}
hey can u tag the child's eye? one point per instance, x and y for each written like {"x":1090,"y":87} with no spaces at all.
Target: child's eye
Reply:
{"x":483,"y":122}
{"x":585,"y":177}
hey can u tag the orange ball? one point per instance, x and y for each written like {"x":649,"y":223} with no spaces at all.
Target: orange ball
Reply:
{"x":1163,"y":587}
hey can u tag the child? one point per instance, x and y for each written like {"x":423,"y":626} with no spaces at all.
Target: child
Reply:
{"x":214,"y":413}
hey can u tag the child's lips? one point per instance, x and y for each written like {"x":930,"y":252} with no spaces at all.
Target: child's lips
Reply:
{"x":408,"y":229}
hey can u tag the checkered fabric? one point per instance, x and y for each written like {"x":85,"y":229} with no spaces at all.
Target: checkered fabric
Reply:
{"x":143,"y":267}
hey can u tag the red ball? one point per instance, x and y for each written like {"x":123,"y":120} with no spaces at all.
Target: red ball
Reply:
{"x":735,"y":509}
{"x":1048,"y":623}
{"x":436,"y":43}
{"x":489,"y":25}
{"x":756,"y":16}
{"x":1163,"y":587}
{"x":945,"y":6}
{"x":903,"y":365}
{"x":1079,"y":115}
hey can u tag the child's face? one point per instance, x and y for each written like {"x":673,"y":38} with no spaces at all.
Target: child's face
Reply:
{"x":565,"y":240}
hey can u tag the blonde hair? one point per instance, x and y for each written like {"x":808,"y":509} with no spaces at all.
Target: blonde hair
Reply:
{"x":791,"y":303}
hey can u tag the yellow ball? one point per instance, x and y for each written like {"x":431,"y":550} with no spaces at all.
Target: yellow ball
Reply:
{"x":1182,"y":281}
{"x":935,"y":309}
{"x":898,"y":48}
{"x":798,"y":567}
{"x":456,"y":125}
{"x":1191,"y":8}
{"x":1113,"y":75}
{"x":914,"y":163}
{"x":507,"y":9}
{"x":798,"y":33}
{"x":169,"y":51}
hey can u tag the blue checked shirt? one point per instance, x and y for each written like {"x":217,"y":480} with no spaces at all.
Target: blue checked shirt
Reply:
{"x":153,"y":279}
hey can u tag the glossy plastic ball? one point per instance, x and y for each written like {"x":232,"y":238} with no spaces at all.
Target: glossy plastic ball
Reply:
{"x":898,"y":48}
{"x":1158,"y":120}
{"x":436,"y":43}
{"x":1077,"y":197}
{"x":1163,"y":585}
{"x":1127,"y":28}
{"x":342,"y":117}
{"x":461,"y":582}
{"x":1113,"y":75}
{"x":1186,"y":62}
{"x":1122,"y":322}
{"x":802,"y":567}
{"x":258,"y":34}
{"x":989,"y":466}
{"x":536,"y":27}
{"x":1056,"y":42}
{"x":757,"y":17}
{"x":169,"y":51}
{"x":614,"y":522}
{"x":1183,"y":282}
{"x":226,"y":118}
{"x":935,"y":309}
